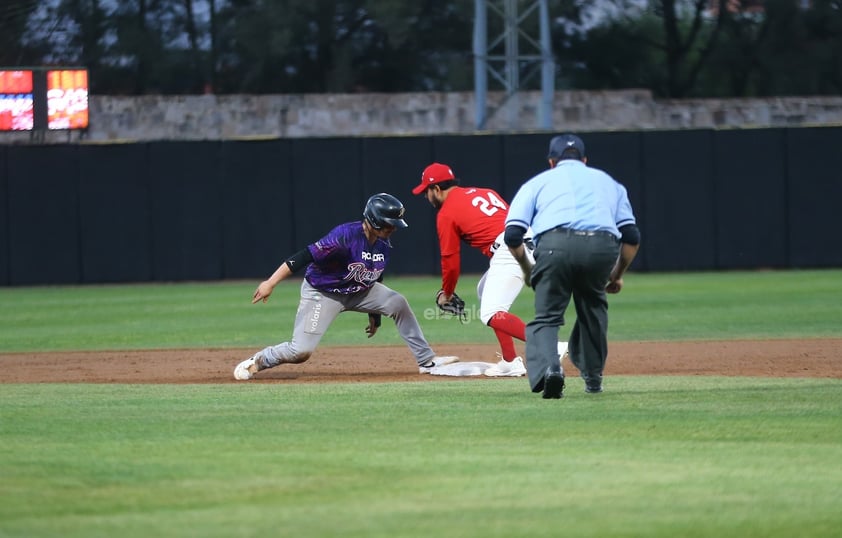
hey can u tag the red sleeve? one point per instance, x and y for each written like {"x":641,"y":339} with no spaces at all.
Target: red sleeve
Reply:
{"x":450,"y":272}
{"x":449,"y":245}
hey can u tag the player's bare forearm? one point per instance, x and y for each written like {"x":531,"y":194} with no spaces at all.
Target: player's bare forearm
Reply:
{"x":265,"y":288}
{"x":624,"y":260}
{"x":450,"y":270}
{"x":519,"y":252}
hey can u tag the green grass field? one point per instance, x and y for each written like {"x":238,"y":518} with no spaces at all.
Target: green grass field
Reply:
{"x":651,"y":457}
{"x":699,"y":306}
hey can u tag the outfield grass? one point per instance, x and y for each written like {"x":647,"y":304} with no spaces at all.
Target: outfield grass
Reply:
{"x":703,"y":306}
{"x":651,"y":457}
{"x":655,"y":457}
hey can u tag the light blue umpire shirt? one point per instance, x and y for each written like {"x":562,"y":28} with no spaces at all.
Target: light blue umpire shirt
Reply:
{"x":571,"y":195}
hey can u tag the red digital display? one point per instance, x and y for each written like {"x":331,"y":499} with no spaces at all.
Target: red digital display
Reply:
{"x":16,"y":112}
{"x":16,"y":103}
{"x":67,"y":99}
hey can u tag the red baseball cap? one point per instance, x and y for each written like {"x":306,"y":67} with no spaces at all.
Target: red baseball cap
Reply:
{"x":435,"y":173}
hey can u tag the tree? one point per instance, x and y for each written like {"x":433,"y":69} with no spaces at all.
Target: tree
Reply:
{"x":733,"y":65}
{"x":676,"y":48}
{"x":664,"y":47}
{"x":802,"y":53}
{"x":16,"y":47}
{"x":344,"y":46}
{"x":783,"y":49}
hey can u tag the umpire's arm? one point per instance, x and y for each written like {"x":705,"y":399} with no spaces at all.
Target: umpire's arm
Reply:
{"x":629,"y":245}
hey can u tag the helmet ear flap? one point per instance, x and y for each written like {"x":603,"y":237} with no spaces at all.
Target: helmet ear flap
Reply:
{"x":369,"y":216}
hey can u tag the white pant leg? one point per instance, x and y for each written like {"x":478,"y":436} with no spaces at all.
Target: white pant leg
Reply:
{"x":500,"y":285}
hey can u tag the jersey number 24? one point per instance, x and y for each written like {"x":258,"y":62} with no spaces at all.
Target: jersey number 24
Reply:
{"x":489,"y":205}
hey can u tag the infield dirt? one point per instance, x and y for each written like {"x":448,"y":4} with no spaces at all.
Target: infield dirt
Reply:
{"x":762,"y":358}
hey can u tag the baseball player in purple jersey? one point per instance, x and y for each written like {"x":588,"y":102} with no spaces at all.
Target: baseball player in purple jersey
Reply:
{"x":343,"y":273}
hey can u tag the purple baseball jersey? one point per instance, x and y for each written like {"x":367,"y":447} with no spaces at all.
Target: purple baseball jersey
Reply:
{"x":344,"y":262}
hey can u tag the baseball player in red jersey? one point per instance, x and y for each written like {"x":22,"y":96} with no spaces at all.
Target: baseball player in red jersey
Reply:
{"x":478,"y":216}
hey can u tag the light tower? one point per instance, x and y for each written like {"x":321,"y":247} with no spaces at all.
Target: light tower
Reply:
{"x":501,"y":57}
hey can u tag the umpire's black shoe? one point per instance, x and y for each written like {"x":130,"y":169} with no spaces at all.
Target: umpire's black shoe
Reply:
{"x":593,"y":385}
{"x":553,"y":383}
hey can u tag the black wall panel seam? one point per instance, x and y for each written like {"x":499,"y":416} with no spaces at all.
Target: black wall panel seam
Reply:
{"x":788,"y":201}
{"x":641,"y":198}
{"x":150,"y":224}
{"x":221,"y":195}
{"x":293,"y":207}
{"x":640,"y":213}
{"x":220,"y":218}
{"x":80,"y":239}
{"x":715,"y":206}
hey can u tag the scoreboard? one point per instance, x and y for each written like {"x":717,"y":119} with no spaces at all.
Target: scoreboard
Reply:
{"x":43,"y":99}
{"x":67,"y":99}
{"x":16,"y":103}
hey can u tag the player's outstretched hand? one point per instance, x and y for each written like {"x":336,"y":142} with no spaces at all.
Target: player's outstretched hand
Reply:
{"x":373,"y":324}
{"x":451,"y":304}
{"x":263,"y":291}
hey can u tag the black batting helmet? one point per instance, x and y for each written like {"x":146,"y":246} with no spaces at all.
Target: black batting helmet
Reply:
{"x":384,"y":210}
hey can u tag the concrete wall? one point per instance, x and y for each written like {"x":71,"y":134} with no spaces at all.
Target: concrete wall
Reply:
{"x":228,"y":117}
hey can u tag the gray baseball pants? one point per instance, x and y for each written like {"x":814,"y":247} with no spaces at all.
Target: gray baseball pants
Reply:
{"x":317,"y":310}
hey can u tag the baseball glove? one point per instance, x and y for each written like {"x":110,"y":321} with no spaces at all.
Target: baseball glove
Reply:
{"x":455,"y":306}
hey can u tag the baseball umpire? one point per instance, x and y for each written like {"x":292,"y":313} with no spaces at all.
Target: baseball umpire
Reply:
{"x":585,"y":239}
{"x":343,"y":272}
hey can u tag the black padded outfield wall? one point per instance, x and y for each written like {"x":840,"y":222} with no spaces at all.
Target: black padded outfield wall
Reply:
{"x":175,"y":211}
{"x":677,"y":224}
{"x":814,"y":192}
{"x":749,"y":182}
{"x":114,"y":214}
{"x":185,"y":181}
{"x":258,"y":231}
{"x":43,"y":214}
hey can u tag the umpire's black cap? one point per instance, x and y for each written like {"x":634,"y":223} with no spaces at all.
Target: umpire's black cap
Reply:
{"x":564,"y":143}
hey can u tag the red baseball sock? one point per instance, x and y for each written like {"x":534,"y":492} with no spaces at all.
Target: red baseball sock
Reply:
{"x":506,"y":326}
{"x":507,"y":345}
{"x":509,"y":324}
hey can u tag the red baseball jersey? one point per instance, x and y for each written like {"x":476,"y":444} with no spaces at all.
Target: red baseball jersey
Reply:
{"x":471,"y":214}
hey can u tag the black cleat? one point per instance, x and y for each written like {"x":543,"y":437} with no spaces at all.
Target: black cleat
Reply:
{"x":553,"y":383}
{"x":593,"y":384}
